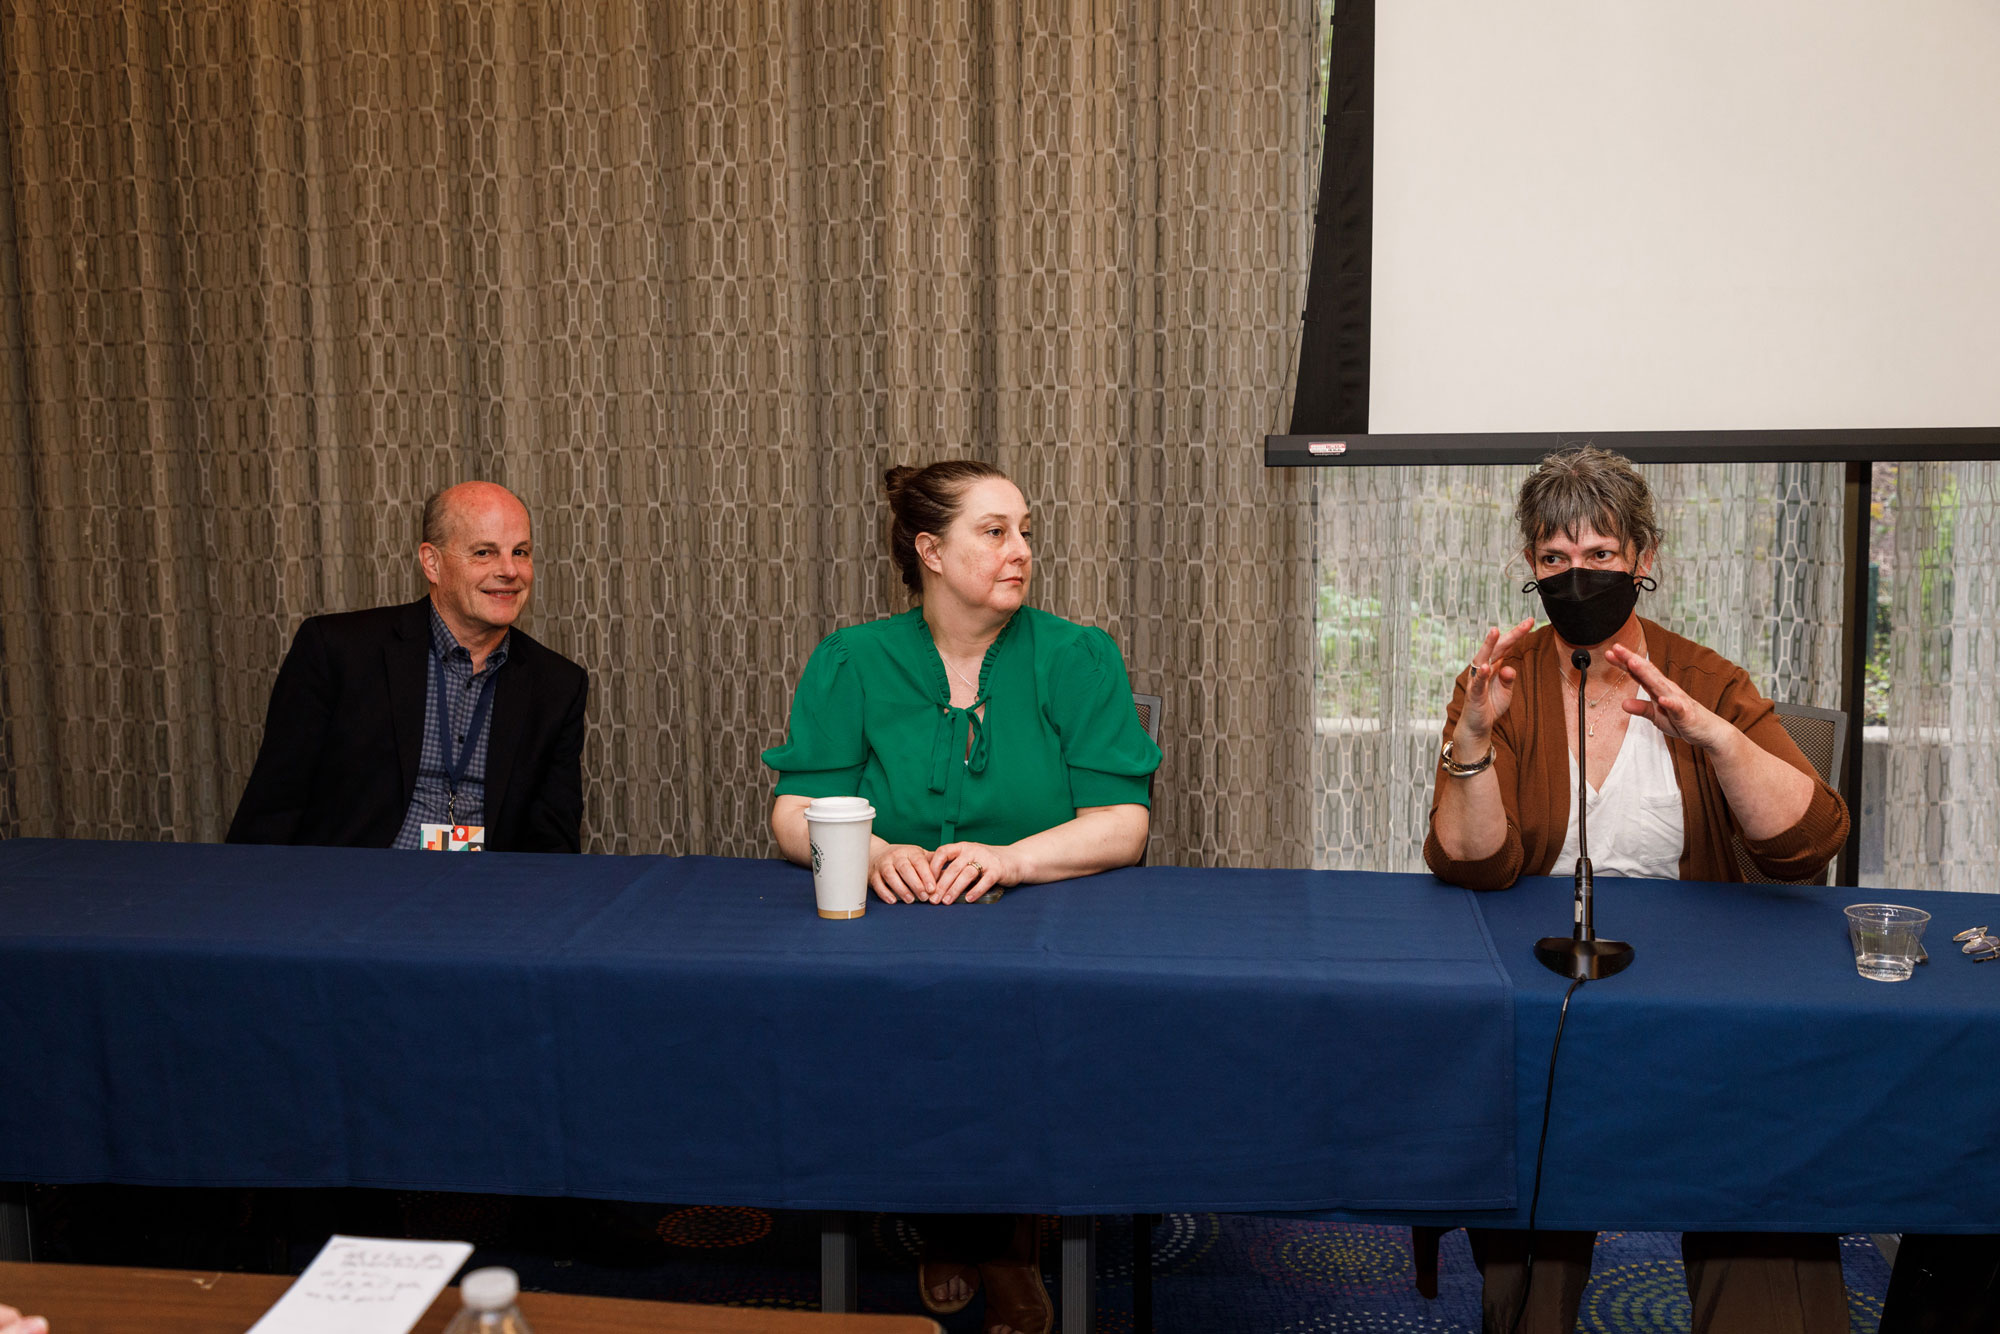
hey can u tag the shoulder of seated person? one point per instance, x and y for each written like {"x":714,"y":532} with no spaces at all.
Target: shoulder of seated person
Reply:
{"x":1059,"y":631}
{"x":1686,"y":656}
{"x":544,"y":658}
{"x":365,"y":617}
{"x":864,"y":633}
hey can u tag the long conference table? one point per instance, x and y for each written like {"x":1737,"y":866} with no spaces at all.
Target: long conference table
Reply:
{"x":1360,"y":1046}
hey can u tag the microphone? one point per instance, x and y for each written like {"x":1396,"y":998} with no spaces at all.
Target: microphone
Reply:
{"x":1581,"y":955}
{"x":1585,"y":920}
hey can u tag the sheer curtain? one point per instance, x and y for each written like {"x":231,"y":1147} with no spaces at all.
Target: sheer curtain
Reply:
{"x":1938,"y":775}
{"x":688,"y":276}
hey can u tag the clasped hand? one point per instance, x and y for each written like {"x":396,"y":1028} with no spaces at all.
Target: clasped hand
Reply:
{"x":906,"y":873}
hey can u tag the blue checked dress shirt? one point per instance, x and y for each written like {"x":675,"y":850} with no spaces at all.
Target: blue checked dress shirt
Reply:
{"x":432,"y":796}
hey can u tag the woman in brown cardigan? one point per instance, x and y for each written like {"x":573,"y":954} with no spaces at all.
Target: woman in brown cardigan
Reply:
{"x":1683,"y":753}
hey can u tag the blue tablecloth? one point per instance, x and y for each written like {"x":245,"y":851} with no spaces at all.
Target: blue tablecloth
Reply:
{"x":1741,"y":1075}
{"x":689,"y":1030}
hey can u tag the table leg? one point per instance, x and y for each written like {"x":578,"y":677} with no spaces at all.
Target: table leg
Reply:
{"x":16,"y":1238}
{"x":1142,"y":1272}
{"x":838,"y":1254}
{"x":1078,"y":1310}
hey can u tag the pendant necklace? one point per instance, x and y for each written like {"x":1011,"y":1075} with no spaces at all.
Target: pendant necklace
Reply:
{"x":1591,"y":704}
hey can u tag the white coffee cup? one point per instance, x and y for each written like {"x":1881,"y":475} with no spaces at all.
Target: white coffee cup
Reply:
{"x":838,"y":828}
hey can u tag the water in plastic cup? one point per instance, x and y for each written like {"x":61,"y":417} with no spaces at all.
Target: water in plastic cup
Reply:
{"x":1885,"y":937}
{"x":839,"y":828}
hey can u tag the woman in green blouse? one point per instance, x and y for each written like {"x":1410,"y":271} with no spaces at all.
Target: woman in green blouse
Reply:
{"x":999,"y":746}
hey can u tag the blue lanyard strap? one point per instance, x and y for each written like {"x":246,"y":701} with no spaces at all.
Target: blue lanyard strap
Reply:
{"x":454,"y":770}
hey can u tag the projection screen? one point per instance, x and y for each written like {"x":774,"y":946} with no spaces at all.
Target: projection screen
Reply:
{"x":1704,"y":215}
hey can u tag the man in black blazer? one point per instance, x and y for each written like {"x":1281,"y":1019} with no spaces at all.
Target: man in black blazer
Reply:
{"x":437,"y":712}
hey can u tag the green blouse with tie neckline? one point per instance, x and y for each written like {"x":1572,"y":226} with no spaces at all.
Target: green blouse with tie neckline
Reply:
{"x":872,"y":717}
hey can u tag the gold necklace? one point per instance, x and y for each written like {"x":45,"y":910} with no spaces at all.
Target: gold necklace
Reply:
{"x":1591,"y":731}
{"x":1591,"y":705}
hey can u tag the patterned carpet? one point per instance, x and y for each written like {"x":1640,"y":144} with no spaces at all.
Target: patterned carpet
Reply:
{"x":1212,"y":1273}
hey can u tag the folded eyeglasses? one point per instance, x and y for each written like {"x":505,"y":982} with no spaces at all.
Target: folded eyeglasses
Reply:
{"x":1982,"y":947}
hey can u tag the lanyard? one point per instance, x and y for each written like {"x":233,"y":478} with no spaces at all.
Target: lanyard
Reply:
{"x":454,"y":771}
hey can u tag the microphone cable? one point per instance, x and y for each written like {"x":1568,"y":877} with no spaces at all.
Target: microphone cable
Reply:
{"x":1580,"y":660}
{"x":1541,"y":1148}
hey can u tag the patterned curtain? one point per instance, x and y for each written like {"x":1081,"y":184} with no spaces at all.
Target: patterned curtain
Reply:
{"x":688,"y":277}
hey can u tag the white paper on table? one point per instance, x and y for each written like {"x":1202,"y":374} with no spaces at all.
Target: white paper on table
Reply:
{"x":365,"y":1285}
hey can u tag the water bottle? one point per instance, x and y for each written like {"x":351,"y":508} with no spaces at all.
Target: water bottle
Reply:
{"x":489,"y":1307}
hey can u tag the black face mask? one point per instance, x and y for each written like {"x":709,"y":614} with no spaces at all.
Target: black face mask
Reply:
{"x":1588,"y":606}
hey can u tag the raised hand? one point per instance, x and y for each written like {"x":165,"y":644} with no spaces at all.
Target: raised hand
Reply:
{"x":1490,"y":690}
{"x":1670,"y":709}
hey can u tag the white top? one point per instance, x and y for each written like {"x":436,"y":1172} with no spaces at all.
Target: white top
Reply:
{"x":496,"y":1288}
{"x":1637,"y":827}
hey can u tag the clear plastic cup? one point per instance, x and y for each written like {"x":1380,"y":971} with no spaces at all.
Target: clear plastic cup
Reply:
{"x":1886,"y":938}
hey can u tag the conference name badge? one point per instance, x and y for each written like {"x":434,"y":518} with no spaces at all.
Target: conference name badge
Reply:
{"x":455,"y":838}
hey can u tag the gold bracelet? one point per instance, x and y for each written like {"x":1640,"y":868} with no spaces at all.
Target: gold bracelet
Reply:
{"x":1457,"y":770}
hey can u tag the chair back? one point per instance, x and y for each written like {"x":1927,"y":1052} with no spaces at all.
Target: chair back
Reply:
{"x":1149,"y":718}
{"x":1822,"y":735}
{"x":1149,"y":715}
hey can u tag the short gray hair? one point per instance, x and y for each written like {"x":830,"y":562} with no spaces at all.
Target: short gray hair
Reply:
{"x":1590,"y":487}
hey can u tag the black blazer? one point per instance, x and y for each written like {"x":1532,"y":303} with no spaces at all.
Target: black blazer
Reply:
{"x":345,"y":732}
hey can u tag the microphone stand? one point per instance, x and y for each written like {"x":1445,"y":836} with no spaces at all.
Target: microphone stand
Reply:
{"x":1581,"y":955}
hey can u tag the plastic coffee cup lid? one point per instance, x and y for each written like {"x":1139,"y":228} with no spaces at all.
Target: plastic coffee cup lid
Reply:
{"x":840,"y":809}
{"x":489,"y":1289}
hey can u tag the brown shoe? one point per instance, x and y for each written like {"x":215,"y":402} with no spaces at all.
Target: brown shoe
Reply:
{"x":935,"y":1274}
{"x":1015,"y":1297}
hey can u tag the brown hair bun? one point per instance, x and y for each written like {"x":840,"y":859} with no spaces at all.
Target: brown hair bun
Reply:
{"x":926,"y":500}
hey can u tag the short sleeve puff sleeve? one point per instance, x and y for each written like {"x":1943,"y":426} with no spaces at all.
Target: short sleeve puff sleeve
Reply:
{"x":825,"y":748}
{"x":1108,"y":753}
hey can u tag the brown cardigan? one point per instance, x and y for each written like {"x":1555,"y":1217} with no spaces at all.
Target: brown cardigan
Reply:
{"x":1531,"y":760}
